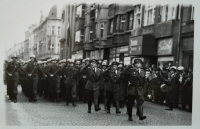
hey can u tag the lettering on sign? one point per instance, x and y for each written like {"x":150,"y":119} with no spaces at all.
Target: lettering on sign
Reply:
{"x":134,"y":43}
{"x":165,"y":46}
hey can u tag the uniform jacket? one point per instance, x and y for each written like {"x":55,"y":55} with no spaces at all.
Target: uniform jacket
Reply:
{"x":71,"y":75}
{"x":32,"y":68}
{"x":93,"y":82}
{"x":136,"y":81}
{"x":14,"y":69}
{"x":114,"y":80}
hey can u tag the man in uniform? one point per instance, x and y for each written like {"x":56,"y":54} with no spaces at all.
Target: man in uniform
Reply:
{"x":13,"y":71}
{"x":71,"y":75}
{"x":92,"y":86}
{"x":136,"y":77}
{"x":54,"y":76}
{"x":83,"y":81}
{"x":113,"y":87}
{"x":41,"y":78}
{"x":32,"y":72}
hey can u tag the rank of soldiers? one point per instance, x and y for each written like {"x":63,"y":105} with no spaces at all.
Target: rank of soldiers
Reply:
{"x":87,"y":80}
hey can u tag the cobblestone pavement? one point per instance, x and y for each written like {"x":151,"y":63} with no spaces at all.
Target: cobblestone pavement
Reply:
{"x":46,"y":113}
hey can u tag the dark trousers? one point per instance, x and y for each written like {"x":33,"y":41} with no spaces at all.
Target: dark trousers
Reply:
{"x":70,"y":92}
{"x":140,"y":100}
{"x":183,"y":95}
{"x":82,"y":90}
{"x":54,"y":89}
{"x":46,"y":88}
{"x":62,"y":89}
{"x":12,"y":88}
{"x":41,"y":85}
{"x":110,"y":96}
{"x":90,"y":96}
{"x":33,"y":82}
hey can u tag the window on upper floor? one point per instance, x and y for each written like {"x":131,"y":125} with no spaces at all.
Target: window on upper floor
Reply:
{"x":80,"y":11}
{"x":122,"y":23}
{"x":149,"y":15}
{"x":101,"y":30}
{"x":58,"y":31}
{"x":130,"y":20}
{"x":53,"y":30}
{"x":110,"y":26}
{"x":117,"y":21}
{"x":192,"y":13}
{"x":91,"y":35}
{"x":167,"y":12}
{"x":137,"y":16}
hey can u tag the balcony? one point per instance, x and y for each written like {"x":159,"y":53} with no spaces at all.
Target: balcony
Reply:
{"x":80,"y":24}
{"x":78,"y":46}
{"x":89,"y":46}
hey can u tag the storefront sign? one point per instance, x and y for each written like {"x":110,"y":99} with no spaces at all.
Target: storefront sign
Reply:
{"x":135,"y":46}
{"x":123,"y":49}
{"x":165,"y":47}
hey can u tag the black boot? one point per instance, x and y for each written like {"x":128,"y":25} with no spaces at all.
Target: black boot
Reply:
{"x":140,"y":113}
{"x":58,"y":98}
{"x":130,"y":119}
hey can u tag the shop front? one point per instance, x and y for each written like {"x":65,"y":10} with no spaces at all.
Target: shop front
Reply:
{"x":187,"y":51}
{"x":119,"y":54}
{"x":165,"y":53}
{"x":143,"y":47}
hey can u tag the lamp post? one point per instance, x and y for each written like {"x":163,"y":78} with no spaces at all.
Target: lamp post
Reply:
{"x":61,"y":53}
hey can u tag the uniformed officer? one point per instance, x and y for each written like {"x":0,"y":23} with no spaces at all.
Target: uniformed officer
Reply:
{"x":13,"y":71}
{"x":41,"y":78}
{"x":62,"y":85}
{"x":54,"y":74}
{"x":83,"y":81}
{"x":103,"y":84}
{"x":47,"y":80}
{"x":78,"y":67}
{"x":123,"y":83}
{"x":136,"y":78}
{"x":32,"y":73}
{"x":92,"y":86}
{"x":113,"y":87}
{"x":71,"y":75}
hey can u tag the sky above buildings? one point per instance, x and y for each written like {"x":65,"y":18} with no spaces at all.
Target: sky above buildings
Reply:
{"x":18,"y":15}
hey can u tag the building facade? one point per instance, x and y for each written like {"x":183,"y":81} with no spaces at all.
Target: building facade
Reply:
{"x":158,"y":34}
{"x":46,"y":36}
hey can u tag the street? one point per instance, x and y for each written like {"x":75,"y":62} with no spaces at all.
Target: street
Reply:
{"x":46,"y":113}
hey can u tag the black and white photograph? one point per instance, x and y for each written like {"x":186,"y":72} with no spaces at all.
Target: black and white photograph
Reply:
{"x":99,"y":63}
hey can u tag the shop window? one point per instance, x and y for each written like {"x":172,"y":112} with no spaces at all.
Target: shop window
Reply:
{"x":137,"y":17}
{"x":130,"y":20}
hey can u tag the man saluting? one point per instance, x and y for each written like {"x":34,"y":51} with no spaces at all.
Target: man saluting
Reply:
{"x":136,"y":77}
